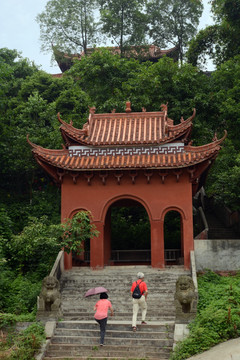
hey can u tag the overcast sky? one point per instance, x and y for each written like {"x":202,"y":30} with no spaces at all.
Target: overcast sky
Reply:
{"x":20,"y":31}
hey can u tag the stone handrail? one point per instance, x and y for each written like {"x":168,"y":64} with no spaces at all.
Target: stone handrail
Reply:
{"x":58,"y":266}
{"x":204,"y":233}
{"x":193,"y":270}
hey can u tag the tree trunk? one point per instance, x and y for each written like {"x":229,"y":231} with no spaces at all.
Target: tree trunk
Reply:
{"x":121,"y":35}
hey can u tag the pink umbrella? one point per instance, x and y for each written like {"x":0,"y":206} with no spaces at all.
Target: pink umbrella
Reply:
{"x":95,"y":291}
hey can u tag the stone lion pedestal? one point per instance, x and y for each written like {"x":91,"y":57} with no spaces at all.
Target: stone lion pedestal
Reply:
{"x":49,"y":300}
{"x":185,"y":300}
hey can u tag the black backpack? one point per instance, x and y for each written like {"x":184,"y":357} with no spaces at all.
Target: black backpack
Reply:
{"x":136,"y":292}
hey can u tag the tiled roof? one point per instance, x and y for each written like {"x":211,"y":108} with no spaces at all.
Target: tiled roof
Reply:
{"x":191,"y":155}
{"x":129,"y":128}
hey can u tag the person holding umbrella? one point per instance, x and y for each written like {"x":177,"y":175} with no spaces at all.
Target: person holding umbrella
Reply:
{"x":101,"y":314}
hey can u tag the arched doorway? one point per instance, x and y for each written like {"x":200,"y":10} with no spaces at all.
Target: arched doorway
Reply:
{"x":127,"y":224}
{"x":173,"y":251}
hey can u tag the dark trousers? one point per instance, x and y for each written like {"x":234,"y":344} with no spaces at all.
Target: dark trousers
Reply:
{"x":102,"y":323}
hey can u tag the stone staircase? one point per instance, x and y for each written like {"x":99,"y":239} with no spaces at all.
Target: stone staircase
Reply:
{"x":77,"y":335}
{"x":218,"y":230}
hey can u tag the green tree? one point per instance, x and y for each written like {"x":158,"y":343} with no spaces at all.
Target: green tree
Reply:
{"x":220,"y":41}
{"x":173,"y":22}
{"x":124,"y":21}
{"x":223,"y":180}
{"x":68,"y":24}
{"x":36,"y":247}
{"x":101,"y":76}
{"x":110,"y":80}
{"x":76,"y":230}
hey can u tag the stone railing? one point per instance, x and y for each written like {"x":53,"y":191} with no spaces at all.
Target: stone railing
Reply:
{"x":193,"y":270}
{"x":131,"y":255}
{"x":58,"y":266}
{"x":172,"y":255}
{"x":204,"y":233}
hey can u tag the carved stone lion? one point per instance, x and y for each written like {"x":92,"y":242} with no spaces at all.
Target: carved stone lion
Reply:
{"x":185,"y":299}
{"x":50,"y":297}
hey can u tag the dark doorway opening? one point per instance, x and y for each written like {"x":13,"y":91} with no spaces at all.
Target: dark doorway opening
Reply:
{"x":173,"y":238}
{"x":82,"y":259}
{"x":130,"y":233}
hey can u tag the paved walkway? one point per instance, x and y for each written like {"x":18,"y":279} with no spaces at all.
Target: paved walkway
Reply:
{"x":229,"y":350}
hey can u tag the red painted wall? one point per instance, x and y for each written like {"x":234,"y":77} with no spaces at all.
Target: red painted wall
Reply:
{"x":156,"y":197}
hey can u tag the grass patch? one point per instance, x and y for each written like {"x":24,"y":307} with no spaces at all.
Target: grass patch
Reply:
{"x":218,"y":315}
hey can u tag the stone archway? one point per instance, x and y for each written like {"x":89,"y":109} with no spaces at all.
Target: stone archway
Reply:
{"x":127,"y":233}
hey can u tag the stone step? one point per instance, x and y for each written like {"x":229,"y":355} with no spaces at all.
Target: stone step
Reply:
{"x":125,"y":287}
{"x":127,"y":315}
{"x":108,"y":351}
{"x":128,"y":312}
{"x":157,"y":316}
{"x":75,"y":317}
{"x":113,"y":333}
{"x":86,"y":348}
{"x":111,"y":325}
{"x":94,"y":340}
{"x":92,"y":282}
{"x":105,"y":356}
{"x":120,"y":309}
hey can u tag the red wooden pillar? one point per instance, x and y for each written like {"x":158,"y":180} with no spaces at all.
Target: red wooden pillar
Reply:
{"x":107,"y":239}
{"x":157,"y":244}
{"x":97,"y":247}
{"x":67,"y":261}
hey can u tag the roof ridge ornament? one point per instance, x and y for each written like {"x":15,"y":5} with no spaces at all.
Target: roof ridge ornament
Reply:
{"x":92,"y":110}
{"x":164,"y":107}
{"x":128,"y":107}
{"x":219,"y":141}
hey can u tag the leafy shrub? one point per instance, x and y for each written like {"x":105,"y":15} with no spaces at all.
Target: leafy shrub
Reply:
{"x":25,"y":344}
{"x":37,"y":244}
{"x":6,"y":223}
{"x":28,"y":257}
{"x":29,"y":342}
{"x":23,"y":295}
{"x":19,"y":293}
{"x":8,"y":320}
{"x":218,"y":317}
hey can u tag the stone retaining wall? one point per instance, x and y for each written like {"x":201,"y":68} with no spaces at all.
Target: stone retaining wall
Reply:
{"x":217,"y":255}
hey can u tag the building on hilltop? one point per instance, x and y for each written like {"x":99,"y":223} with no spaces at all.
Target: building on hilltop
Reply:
{"x":130,"y":158}
{"x":142,"y":53}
